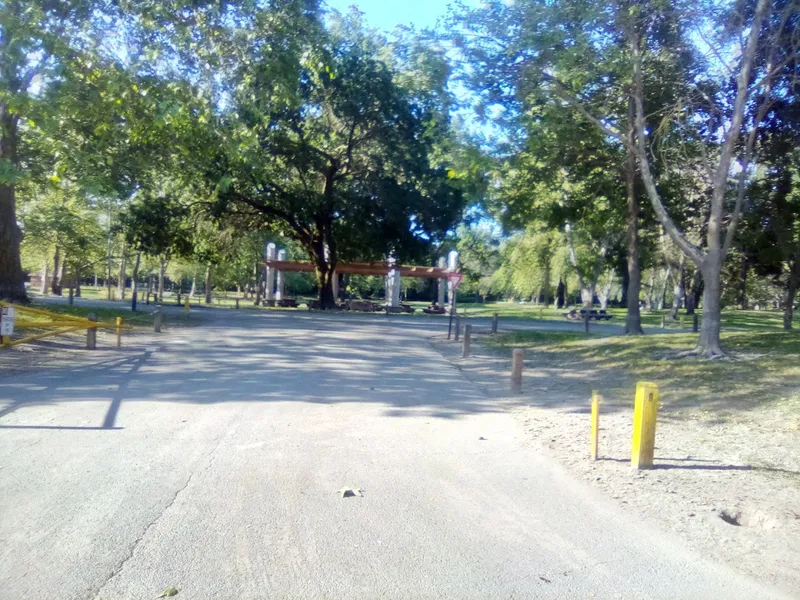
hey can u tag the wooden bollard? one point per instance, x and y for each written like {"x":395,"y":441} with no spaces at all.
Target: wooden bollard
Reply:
{"x":158,"y":321}
{"x":695,"y":323}
{"x":645,"y":410}
{"x":91,"y":333}
{"x":595,"y":424}
{"x":586,"y":321}
{"x":494,"y":323}
{"x":458,"y":327}
{"x":119,"y":332}
{"x":186,"y":306}
{"x":517,"y":361}
{"x":467,"y":340}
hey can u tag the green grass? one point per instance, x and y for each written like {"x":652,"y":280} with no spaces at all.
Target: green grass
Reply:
{"x":731,"y":318}
{"x":763,"y":365}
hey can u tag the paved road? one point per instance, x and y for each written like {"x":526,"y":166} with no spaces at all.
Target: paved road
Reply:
{"x":210,"y":463}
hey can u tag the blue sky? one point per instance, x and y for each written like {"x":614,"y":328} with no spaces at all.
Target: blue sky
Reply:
{"x":387,"y":14}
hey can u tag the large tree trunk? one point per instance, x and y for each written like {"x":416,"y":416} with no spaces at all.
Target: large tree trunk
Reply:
{"x":12,"y":279}
{"x":560,"y":293}
{"x":45,"y":277}
{"x":791,"y":292}
{"x":587,"y":294}
{"x":123,"y":265}
{"x":709,"y":343}
{"x":208,"y":284}
{"x":55,"y":284}
{"x":742,"y":299}
{"x":678,"y":289}
{"x":258,"y":275}
{"x":135,"y":281}
{"x":694,"y":292}
{"x":633,"y":318}
{"x":162,"y":268}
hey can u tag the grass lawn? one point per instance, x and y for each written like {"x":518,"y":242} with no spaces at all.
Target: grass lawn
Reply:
{"x":763,"y":365}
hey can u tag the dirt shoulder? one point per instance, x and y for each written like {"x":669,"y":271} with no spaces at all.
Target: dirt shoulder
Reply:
{"x":717,"y":464}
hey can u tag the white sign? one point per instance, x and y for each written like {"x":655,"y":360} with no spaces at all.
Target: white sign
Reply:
{"x":7,"y":318}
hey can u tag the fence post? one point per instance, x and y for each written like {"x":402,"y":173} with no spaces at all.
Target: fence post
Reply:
{"x":158,"y":321}
{"x":119,"y":332}
{"x":586,"y":321}
{"x":595,"y":423}
{"x":695,"y":323}
{"x":467,"y":340}
{"x":645,"y":410}
{"x":91,"y":333}
{"x":517,"y":361}
{"x":458,"y":327}
{"x":494,"y":323}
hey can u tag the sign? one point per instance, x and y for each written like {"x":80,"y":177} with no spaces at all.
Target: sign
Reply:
{"x":455,"y":280}
{"x":7,"y":317}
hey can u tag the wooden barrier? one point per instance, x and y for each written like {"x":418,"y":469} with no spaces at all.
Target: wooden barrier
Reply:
{"x":467,"y":340}
{"x":595,"y":424}
{"x":517,"y":362}
{"x":645,"y":411}
{"x":91,"y":333}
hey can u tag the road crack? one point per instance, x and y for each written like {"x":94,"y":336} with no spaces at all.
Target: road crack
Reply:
{"x":211,"y":456}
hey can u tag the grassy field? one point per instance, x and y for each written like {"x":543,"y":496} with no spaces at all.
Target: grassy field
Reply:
{"x":762,"y":367}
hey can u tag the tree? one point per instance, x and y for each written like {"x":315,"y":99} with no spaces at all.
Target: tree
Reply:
{"x":644,"y":39}
{"x":155,"y":224}
{"x":325,"y":145}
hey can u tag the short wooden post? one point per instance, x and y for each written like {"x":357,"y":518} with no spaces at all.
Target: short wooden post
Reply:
{"x":119,"y":332}
{"x":458,"y":327}
{"x":586,"y":321}
{"x":91,"y":333}
{"x":645,"y":411}
{"x":467,"y":340}
{"x":237,"y":304}
{"x":186,"y":306}
{"x":595,"y":423}
{"x":663,"y":321}
{"x":517,"y":361}
{"x":696,"y":323}
{"x":71,"y":298}
{"x":157,"y":322}
{"x":494,"y":323}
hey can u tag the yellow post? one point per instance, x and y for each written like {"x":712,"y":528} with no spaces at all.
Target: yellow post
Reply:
{"x":6,"y":340}
{"x":645,"y":410}
{"x":186,"y":306}
{"x":595,"y":423}
{"x":119,"y":332}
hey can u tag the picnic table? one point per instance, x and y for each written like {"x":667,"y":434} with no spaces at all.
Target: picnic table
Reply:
{"x":593,"y":315}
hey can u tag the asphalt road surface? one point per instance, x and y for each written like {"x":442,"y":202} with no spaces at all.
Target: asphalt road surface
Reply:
{"x":210,"y":463}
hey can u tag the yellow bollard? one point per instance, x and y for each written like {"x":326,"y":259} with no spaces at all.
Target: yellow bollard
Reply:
{"x":186,"y":306}
{"x":595,"y":423}
{"x":6,"y":340}
{"x":119,"y":332}
{"x":645,"y":410}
